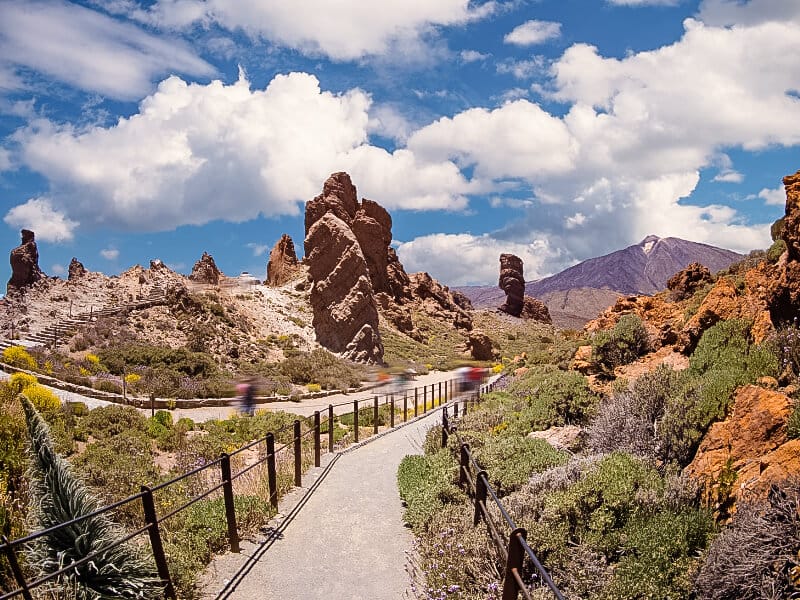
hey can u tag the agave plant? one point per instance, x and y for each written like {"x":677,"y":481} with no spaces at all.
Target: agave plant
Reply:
{"x":60,"y":497}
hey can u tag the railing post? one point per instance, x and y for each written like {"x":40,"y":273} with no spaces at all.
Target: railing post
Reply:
{"x":433,"y":395}
{"x":455,"y":410}
{"x":516,"y":555}
{"x":375,"y":415}
{"x":18,"y":576}
{"x":445,"y":392}
{"x":405,"y":406}
{"x":466,"y":403}
{"x":440,"y":393}
{"x":480,"y":495}
{"x":355,"y":419}
{"x":271,"y":473}
{"x":155,"y":541}
{"x":298,"y":469}
{"x":445,"y":427}
{"x":230,"y":509}
{"x":316,"y":438}
{"x":416,"y":398}
{"x":330,"y":428}
{"x":463,"y":465}
{"x":391,"y":411}
{"x":424,"y":399}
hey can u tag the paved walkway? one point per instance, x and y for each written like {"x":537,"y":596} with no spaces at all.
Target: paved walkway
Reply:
{"x":339,"y":536}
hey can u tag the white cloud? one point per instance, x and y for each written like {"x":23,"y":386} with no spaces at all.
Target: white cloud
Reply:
{"x":195,"y":153}
{"x":773,"y":197}
{"x":523,"y":69}
{"x":733,"y":12}
{"x":110,"y":253}
{"x":39,"y":215}
{"x":258,"y":249}
{"x":5,"y":160}
{"x":344,"y":30}
{"x":89,"y":50}
{"x":388,"y":121}
{"x":58,"y":270}
{"x":464,"y":259}
{"x":729,"y":176}
{"x":469,"y":56}
{"x":533,"y":32}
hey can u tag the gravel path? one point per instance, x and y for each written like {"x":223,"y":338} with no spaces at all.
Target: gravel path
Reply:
{"x":348,"y":541}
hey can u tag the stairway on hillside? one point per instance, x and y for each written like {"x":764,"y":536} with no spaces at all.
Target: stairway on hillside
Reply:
{"x":66,"y":327}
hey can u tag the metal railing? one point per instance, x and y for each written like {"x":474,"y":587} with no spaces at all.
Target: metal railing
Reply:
{"x":420,"y":400}
{"x":472,"y":478}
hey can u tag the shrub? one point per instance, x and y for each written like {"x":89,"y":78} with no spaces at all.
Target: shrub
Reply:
{"x":554,"y":398}
{"x":42,"y":398}
{"x":621,"y":345}
{"x":313,"y":387}
{"x":793,"y":424}
{"x":774,"y":253}
{"x":108,"y":421}
{"x":756,"y":556}
{"x":511,"y":459}
{"x":17,"y":356}
{"x":426,"y":485}
{"x":108,"y":385}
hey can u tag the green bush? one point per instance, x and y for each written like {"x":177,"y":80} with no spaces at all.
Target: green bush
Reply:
{"x":621,"y":345}
{"x":106,"y":385}
{"x":510,"y":460}
{"x":774,"y":253}
{"x":426,"y":484}
{"x":554,"y":398}
{"x":181,"y":360}
{"x":793,"y":424}
{"x":108,"y":421}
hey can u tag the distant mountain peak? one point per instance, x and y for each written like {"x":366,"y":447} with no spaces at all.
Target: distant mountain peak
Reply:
{"x":648,"y":243}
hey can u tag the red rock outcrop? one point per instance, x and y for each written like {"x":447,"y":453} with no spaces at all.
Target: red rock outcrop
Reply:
{"x":687,"y":281}
{"x":480,"y":346}
{"x":461,"y":300}
{"x":283,"y":265}
{"x":437,"y":301}
{"x":345,"y":315}
{"x":338,"y":197}
{"x":25,"y":269}
{"x":76,"y":269}
{"x":512,"y":283}
{"x":205,"y":270}
{"x":752,"y":443}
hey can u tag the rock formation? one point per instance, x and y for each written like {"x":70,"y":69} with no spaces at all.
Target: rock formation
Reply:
{"x":392,"y":290}
{"x":205,"y":270}
{"x":480,"y":346}
{"x":76,"y":269}
{"x":535,"y":309}
{"x":283,"y":265}
{"x":687,"y":281}
{"x":461,"y":300}
{"x":345,"y":315}
{"x":512,"y":283}
{"x":752,"y":443}
{"x":25,"y":269}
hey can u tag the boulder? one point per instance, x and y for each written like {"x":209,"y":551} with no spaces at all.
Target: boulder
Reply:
{"x":345,"y":314}
{"x":535,"y":310}
{"x":205,"y":270}
{"x":751,"y":443}
{"x":512,"y":283}
{"x":25,"y":269}
{"x":76,"y":269}
{"x":687,"y":281}
{"x":480,"y":346}
{"x":283,"y":265}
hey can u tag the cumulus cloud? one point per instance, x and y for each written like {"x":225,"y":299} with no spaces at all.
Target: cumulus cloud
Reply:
{"x":729,"y":176}
{"x":258,"y":249}
{"x":773,"y":197}
{"x":533,"y":32}
{"x":465,"y":259}
{"x":39,"y":215}
{"x":5,"y":160}
{"x":58,"y":270}
{"x":345,"y":30}
{"x":196,"y":153}
{"x":109,"y":253}
{"x":89,"y":50}
{"x":469,"y":56}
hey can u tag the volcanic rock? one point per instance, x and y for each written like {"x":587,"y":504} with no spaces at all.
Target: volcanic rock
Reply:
{"x":791,"y":226}
{"x":25,"y":269}
{"x":76,"y":269}
{"x":512,"y":283}
{"x":283,"y":265}
{"x":480,"y":346}
{"x":752,"y":442}
{"x":345,"y":315}
{"x":461,"y":300}
{"x":205,"y":270}
{"x":338,"y":197}
{"x":535,"y":309}
{"x":687,"y":281}
{"x":437,"y":301}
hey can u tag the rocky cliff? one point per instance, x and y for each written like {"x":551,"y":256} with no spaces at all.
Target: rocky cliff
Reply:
{"x":205,"y":270}
{"x":25,"y":269}
{"x":283,"y":265}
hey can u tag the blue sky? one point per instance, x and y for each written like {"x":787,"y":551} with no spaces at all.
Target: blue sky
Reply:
{"x":554,"y":129}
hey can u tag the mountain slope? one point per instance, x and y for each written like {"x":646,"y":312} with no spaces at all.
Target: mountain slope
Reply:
{"x":578,"y":293}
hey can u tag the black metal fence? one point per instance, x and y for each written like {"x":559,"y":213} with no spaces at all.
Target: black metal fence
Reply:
{"x":372,"y":411}
{"x":512,"y":546}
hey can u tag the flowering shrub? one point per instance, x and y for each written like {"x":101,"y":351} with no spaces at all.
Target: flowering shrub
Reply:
{"x":17,"y":356}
